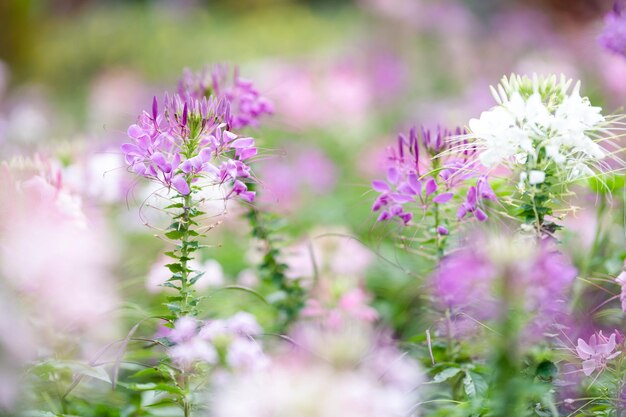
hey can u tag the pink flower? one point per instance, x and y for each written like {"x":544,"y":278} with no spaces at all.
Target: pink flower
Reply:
{"x":52,"y":254}
{"x":355,"y":304}
{"x":216,"y":341}
{"x":184,"y":329}
{"x":621,"y":280}
{"x":596,"y":353}
{"x":246,"y":354}
{"x":244,"y":324}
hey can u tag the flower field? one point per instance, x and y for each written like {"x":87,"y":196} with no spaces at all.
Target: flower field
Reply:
{"x":312,"y":208}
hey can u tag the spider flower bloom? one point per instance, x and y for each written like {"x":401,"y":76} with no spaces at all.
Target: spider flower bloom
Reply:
{"x":229,"y":341}
{"x":247,"y":105}
{"x":186,"y":139}
{"x":356,"y":378}
{"x":598,"y":352}
{"x":67,"y":285}
{"x":541,"y":125}
{"x":428,"y":172}
{"x":468,"y":281}
{"x":613,"y":36}
{"x":621,"y":281}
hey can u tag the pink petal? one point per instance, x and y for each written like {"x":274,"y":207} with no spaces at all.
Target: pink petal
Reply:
{"x":443,"y":198}
{"x":380,"y":186}
{"x":589,"y":366}
{"x":584,"y":350}
{"x":180,"y":184}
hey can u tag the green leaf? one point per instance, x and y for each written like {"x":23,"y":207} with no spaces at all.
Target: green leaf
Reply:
{"x":174,"y":308}
{"x":174,"y":234}
{"x":175,"y":267}
{"x":468,"y":385}
{"x":170,"y":285}
{"x":445,"y":375}
{"x":196,"y":278}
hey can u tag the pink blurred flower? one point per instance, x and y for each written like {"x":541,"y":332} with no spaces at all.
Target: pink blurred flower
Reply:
{"x":621,"y":280}
{"x":304,"y":172}
{"x":100,"y":176}
{"x":357,"y":377}
{"x":467,"y":281}
{"x":67,"y":283}
{"x":334,"y":252}
{"x":596,"y":353}
{"x":246,"y":354}
{"x":351,"y":306}
{"x":209,"y":341}
{"x":114,"y":96}
{"x":341,"y":94}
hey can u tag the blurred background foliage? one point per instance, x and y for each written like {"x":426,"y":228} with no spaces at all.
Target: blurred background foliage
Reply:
{"x":379,"y":66}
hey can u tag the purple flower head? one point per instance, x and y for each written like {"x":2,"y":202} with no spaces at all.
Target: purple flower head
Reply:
{"x":613,"y":36}
{"x":229,"y":342}
{"x":468,"y":281}
{"x":598,"y":352}
{"x":439,"y":140}
{"x":185,"y":138}
{"x":424,"y":178}
{"x":246,"y":105}
{"x":475,"y":195}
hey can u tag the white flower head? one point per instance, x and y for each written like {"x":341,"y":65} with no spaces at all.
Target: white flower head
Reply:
{"x":536,"y":177}
{"x":540,"y":122}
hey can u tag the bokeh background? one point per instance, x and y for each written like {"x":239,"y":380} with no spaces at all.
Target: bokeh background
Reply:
{"x":345,"y":77}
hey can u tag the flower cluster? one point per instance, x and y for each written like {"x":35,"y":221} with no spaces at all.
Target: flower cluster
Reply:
{"x":332,"y":266}
{"x":621,"y":281}
{"x":430,"y":177}
{"x":187,"y":139}
{"x":352,"y":304}
{"x":355,"y":379}
{"x":613,"y":36}
{"x":600,"y":349}
{"x":468,"y":281}
{"x":35,"y":210}
{"x":247,"y":105}
{"x":210,"y":342}
{"x":541,"y":125}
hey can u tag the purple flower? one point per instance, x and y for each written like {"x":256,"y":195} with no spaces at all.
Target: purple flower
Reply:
{"x":597,"y":353}
{"x":482,"y":191}
{"x":468,"y":281}
{"x":216,"y":340}
{"x":412,"y":179}
{"x":613,"y":36}
{"x":247,"y":105}
{"x":188,"y":138}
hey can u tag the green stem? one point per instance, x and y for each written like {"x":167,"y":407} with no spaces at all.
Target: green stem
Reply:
{"x":589,"y":260}
{"x":507,"y":385}
{"x":185,"y":240}
{"x":438,"y":238}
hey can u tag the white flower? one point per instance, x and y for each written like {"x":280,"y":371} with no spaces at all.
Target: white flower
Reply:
{"x":538,"y":121}
{"x":536,"y":177}
{"x":499,"y":134}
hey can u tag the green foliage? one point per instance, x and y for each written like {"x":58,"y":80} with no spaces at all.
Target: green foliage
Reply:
{"x":287,"y":294}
